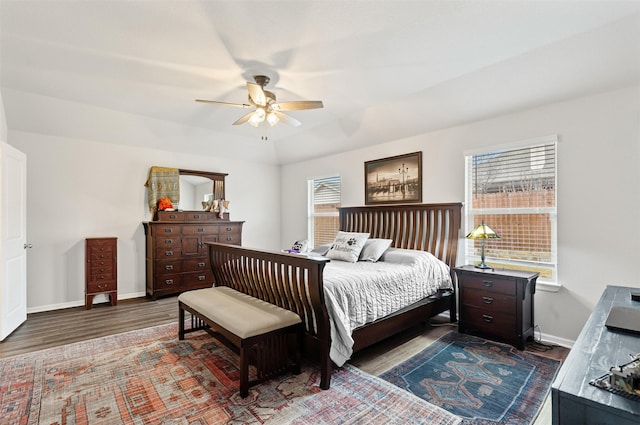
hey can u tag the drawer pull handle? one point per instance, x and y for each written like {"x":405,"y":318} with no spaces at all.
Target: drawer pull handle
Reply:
{"x":168,"y":241}
{"x":201,"y":278}
{"x":487,"y":318}
{"x":487,"y":300}
{"x":487,"y":283}
{"x":196,"y":216}
{"x":229,"y":238}
{"x":200,"y":264}
{"x":200,"y":229}
{"x":169,"y":267}
{"x":173,"y":216}
{"x":168,"y":230}
{"x":229,"y":229}
{"x":168,"y":253}
{"x":169,"y":281}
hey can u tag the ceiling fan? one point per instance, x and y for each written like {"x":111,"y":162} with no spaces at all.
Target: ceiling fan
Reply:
{"x":266,"y":107}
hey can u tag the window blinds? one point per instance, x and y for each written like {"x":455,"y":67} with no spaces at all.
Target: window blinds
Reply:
{"x":514,"y":192}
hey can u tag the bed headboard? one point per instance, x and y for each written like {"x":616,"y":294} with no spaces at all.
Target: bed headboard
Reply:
{"x":427,"y":227}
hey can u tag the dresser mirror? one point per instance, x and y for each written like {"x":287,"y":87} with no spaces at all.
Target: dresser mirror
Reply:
{"x":196,"y":186}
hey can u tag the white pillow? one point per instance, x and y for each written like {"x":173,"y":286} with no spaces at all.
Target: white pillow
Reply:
{"x":373,"y":249}
{"x":347,"y":246}
{"x":321,"y":250}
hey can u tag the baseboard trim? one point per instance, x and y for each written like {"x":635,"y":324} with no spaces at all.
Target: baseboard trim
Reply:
{"x":72,"y":304}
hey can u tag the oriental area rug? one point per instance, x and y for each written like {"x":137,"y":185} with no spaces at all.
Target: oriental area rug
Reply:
{"x":481,"y":381}
{"x":150,"y":377}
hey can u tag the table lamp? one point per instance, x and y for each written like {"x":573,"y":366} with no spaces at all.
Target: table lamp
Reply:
{"x":483,"y":232}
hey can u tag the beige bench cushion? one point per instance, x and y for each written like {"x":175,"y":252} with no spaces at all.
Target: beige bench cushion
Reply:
{"x":240,"y":314}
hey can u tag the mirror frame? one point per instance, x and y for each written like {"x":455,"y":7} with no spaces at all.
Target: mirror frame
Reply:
{"x":215,"y":177}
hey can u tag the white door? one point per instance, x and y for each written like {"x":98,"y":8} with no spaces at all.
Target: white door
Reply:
{"x":13,"y":241}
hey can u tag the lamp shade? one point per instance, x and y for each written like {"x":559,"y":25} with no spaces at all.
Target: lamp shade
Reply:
{"x":482,"y":231}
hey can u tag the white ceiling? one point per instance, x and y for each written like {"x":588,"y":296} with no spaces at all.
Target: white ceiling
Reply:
{"x":120,"y":71}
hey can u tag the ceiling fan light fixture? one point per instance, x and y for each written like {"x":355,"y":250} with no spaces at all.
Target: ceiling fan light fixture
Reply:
{"x":257,"y":117}
{"x":272,"y":119}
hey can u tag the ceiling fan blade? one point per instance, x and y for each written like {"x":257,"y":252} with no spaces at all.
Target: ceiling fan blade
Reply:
{"x":297,"y":105}
{"x":287,"y":119}
{"x":217,"y":102}
{"x":243,"y":119}
{"x":256,"y":94}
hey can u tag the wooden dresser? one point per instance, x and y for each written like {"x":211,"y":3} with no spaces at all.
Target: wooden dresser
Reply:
{"x":177,"y":258}
{"x":573,"y":399}
{"x":497,"y":303}
{"x":101,"y":269}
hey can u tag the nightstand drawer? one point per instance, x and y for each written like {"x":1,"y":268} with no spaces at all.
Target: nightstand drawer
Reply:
{"x":494,"y":302}
{"x":487,"y":322}
{"x":490,"y":283}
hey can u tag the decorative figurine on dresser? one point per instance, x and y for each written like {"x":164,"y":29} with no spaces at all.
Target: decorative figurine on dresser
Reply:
{"x":496,"y":303}
{"x":177,"y":257}
{"x":101,"y":269}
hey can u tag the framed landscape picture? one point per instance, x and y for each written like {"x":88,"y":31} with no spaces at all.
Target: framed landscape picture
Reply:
{"x":394,"y":180}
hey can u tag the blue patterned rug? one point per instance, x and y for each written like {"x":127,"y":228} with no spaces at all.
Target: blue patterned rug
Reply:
{"x":482,"y":381}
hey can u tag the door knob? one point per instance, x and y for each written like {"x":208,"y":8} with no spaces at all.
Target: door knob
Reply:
{"x":27,"y":246}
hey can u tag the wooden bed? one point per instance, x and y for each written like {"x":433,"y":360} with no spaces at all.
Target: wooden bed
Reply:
{"x":295,"y":282}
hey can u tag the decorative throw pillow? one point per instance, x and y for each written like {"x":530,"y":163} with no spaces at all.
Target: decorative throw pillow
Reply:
{"x":300,"y":246}
{"x":347,"y":246}
{"x":373,"y":249}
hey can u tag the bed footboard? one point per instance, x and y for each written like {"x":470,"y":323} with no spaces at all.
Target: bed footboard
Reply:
{"x":290,"y":281}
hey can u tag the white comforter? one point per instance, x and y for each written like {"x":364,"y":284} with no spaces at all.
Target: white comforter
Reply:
{"x":362,"y":292}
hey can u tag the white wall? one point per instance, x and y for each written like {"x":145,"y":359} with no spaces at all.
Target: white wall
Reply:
{"x":598,"y":188}
{"x":82,"y":188}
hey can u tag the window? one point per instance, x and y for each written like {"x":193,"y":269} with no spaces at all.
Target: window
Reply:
{"x":513,"y":191}
{"x":324,"y":201}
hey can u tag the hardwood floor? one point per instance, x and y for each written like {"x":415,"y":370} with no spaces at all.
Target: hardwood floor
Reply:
{"x":59,"y":327}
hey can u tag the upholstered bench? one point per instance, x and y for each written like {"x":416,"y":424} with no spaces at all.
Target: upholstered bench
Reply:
{"x":259,"y":330}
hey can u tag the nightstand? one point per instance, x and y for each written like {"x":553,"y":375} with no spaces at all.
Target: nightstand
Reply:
{"x":496,"y":303}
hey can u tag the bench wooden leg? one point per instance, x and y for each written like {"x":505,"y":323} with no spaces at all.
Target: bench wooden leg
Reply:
{"x":180,"y":322}
{"x":244,"y":370}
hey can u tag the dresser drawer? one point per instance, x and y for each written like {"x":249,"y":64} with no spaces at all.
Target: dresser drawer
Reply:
{"x":168,"y":281}
{"x":490,"y":283}
{"x":93,"y":287}
{"x":101,"y":269}
{"x":231,"y":239}
{"x":164,"y":253}
{"x":171,"y":216}
{"x":491,"y":301}
{"x":101,"y":277}
{"x":99,"y":257}
{"x":171,"y":230}
{"x":230,"y":228}
{"x":169,"y":241}
{"x":502,"y":325}
{"x":190,"y":280}
{"x":203,"y":229}
{"x":102,"y":249}
{"x":168,"y":266}
{"x":196,"y":264}
{"x":200,"y":216}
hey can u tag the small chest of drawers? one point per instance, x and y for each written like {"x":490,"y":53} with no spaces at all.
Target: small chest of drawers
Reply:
{"x":497,"y":303}
{"x":101,"y":269}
